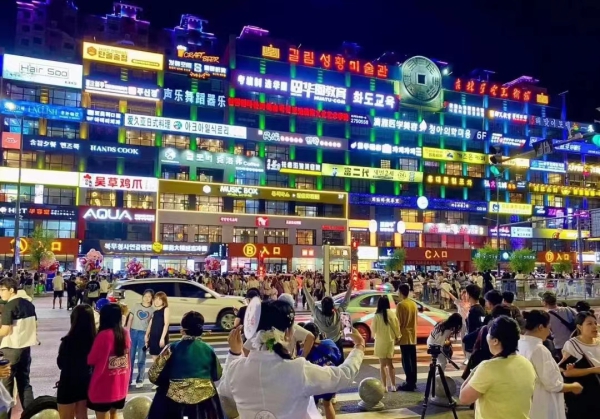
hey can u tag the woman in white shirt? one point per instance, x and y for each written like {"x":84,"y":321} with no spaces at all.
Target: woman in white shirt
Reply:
{"x":281,"y":387}
{"x":548,"y":400}
{"x":441,"y":333}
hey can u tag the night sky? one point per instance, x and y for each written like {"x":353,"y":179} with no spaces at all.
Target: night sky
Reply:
{"x":555,"y":41}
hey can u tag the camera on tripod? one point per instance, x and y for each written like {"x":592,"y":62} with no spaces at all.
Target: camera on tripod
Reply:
{"x":434,"y":350}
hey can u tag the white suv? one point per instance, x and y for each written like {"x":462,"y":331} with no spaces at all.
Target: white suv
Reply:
{"x":183,"y":296}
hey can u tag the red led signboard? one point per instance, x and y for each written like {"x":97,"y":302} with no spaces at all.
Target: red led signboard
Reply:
{"x":288,"y":109}
{"x":496,"y":90}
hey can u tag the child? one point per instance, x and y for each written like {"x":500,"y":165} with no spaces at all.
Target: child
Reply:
{"x":323,"y":353}
{"x":440,"y":335}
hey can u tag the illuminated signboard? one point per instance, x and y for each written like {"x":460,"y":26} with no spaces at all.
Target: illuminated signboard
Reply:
{"x":425,"y":128}
{"x":53,"y":144}
{"x":465,"y":110}
{"x":584,"y":168}
{"x":282,"y":109}
{"x":86,"y":147}
{"x":518,"y":163}
{"x":318,"y":92}
{"x":556,"y":123}
{"x":542,"y":211}
{"x":201,"y":56}
{"x":457,"y":229}
{"x":548,"y":166}
{"x":383,"y":200}
{"x":453,"y":155}
{"x":500,"y":139}
{"x":38,"y":110}
{"x":57,"y":212}
{"x":492,"y":89}
{"x":578,"y":148}
{"x":113,"y":89}
{"x":269,"y":51}
{"x":34,"y":70}
{"x":208,"y":159}
{"x":117,"y":214}
{"x":509,"y":116}
{"x":209,"y":100}
{"x":361,"y":120}
{"x":373,"y":100}
{"x":371,"y":173}
{"x":300,"y":140}
{"x":444,"y":180}
{"x":196,"y":70}
{"x":261,"y":83}
{"x":510,"y":208}
{"x":286,"y":166}
{"x":395,"y":150}
{"x":148,"y":247}
{"x":184,"y":126}
{"x":122,"y":56}
{"x":457,"y":205}
{"x":256,"y":192}
{"x":504,"y":185}
{"x":118,"y":183}
{"x":563,"y":190}
{"x":103,"y":117}
{"x":504,"y":231}
{"x":521,"y":232}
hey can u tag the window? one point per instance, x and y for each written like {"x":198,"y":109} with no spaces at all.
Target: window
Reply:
{"x":209,"y":203}
{"x":556,"y":201}
{"x":245,"y":235}
{"x":537,"y":199}
{"x":536,"y":177}
{"x":362,"y":237}
{"x":455,"y":242}
{"x":59,"y":196}
{"x":360,"y":185}
{"x":431,"y":167}
{"x":408,"y":164}
{"x":215,"y":146}
{"x":249,"y":149}
{"x":174,"y":201}
{"x":191,"y":291}
{"x":385,"y":239}
{"x":61,"y":129}
{"x":331,"y":183}
{"x":370,"y":301}
{"x":30,"y":127}
{"x":247,"y":178}
{"x":276,"y":235}
{"x":64,"y":98}
{"x":139,"y":200}
{"x":62,"y":162}
{"x":335,"y":238}
{"x":174,"y":232}
{"x":170,"y":171}
{"x":276,"y":207}
{"x":145,"y":138}
{"x":11,"y":159}
{"x":454,"y":169}
{"x":306,"y":182}
{"x":538,"y":245}
{"x":7,"y":227}
{"x":555,"y":179}
{"x":306,"y":210}
{"x":333,"y":211}
{"x":248,"y":206}
{"x":385,"y":164}
{"x":60,"y":229}
{"x":454,"y":217}
{"x":432,"y":240}
{"x":101,"y":198}
{"x":409,"y":216}
{"x":306,"y":237}
{"x":138,"y":232}
{"x":277,"y":152}
{"x":177,"y":141}
{"x":515,"y":197}
{"x":474,"y":170}
{"x":410,"y":240}
{"x":207,"y":234}
{"x":429,"y":217}
{"x":277,"y":180}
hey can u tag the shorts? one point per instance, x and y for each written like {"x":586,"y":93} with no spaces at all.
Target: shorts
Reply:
{"x":105,"y":407}
{"x":325,"y":397}
{"x":58,"y":294}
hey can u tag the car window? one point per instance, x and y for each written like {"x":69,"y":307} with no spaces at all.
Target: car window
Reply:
{"x":166,"y":287}
{"x":191,"y":291}
{"x":137,"y":288}
{"x":370,"y":301}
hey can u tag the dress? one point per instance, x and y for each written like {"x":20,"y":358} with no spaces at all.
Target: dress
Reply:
{"x":385,"y":335}
{"x":75,"y":374}
{"x":185,"y":373}
{"x":156,"y":330}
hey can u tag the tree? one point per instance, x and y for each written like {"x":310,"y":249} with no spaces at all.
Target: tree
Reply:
{"x":486,"y":259}
{"x":522,"y":261}
{"x":40,"y":243}
{"x":396,"y":261}
{"x":563,"y":267}
{"x":596,"y":269}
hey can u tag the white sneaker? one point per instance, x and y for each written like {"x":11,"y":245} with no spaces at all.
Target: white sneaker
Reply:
{"x":139,"y":385}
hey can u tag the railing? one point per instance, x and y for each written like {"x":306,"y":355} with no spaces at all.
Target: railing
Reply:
{"x":532,"y":289}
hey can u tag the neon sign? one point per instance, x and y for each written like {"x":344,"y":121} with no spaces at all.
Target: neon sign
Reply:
{"x":509,"y":116}
{"x":444,"y":180}
{"x":300,"y":139}
{"x":465,"y":110}
{"x":387,"y":149}
{"x":318,"y":92}
{"x":197,"y":70}
{"x":287,"y":109}
{"x":425,"y":128}
{"x":373,"y":100}
{"x":496,"y":90}
{"x":209,"y":100}
{"x":112,"y":214}
{"x":329,"y":61}
{"x":262,"y":83}
{"x":103,"y":87}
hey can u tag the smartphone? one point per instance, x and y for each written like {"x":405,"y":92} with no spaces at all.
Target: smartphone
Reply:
{"x":346,"y":323}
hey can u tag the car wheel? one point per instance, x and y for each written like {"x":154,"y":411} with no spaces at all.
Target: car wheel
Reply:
{"x":364,"y":331}
{"x":226,"y":320}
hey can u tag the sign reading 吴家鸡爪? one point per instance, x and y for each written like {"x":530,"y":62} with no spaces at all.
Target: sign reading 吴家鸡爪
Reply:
{"x":511,"y":208}
{"x":187,"y":97}
{"x":35,"y":70}
{"x":117,"y":214}
{"x":395,"y":150}
{"x":109,"y":88}
{"x":123,"y":57}
{"x":371,"y":173}
{"x":20,"y":108}
{"x":42,"y":211}
{"x":118,"y":183}
{"x":209,"y":159}
{"x":184,"y":126}
{"x":286,"y":166}
{"x":300,"y":140}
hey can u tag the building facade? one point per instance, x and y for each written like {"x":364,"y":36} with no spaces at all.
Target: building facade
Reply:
{"x":190,"y":148}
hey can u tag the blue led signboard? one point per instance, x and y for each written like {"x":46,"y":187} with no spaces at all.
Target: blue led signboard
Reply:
{"x":17,"y":108}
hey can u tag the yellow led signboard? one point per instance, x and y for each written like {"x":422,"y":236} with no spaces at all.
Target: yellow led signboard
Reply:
{"x":511,"y":208}
{"x":123,"y":56}
{"x":563,"y":190}
{"x":372,"y":173}
{"x":444,"y":180}
{"x":453,"y":155}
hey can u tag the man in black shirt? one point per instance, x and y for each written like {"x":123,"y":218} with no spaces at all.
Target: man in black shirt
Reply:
{"x":476,"y":312}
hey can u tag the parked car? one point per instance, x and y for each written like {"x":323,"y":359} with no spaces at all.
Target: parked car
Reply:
{"x":184,"y":296}
{"x":363,"y":304}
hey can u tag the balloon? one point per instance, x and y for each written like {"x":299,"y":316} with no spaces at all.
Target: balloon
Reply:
{"x":212,"y":264}
{"x":134,"y":267}
{"x":92,"y":262}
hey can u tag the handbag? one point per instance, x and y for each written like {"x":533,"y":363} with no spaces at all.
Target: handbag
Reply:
{"x":584,"y":405}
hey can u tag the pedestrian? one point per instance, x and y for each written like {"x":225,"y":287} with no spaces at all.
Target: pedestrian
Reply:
{"x":109,"y":359}
{"x":71,"y":293}
{"x":386,"y":332}
{"x":157,"y":334}
{"x":301,"y":340}
{"x":19,"y":334}
{"x":75,"y":374}
{"x":92,"y":291}
{"x":58,"y":284}
{"x":562,"y":322}
{"x":407,"y":312}
{"x":138,"y":326}
{"x":28,"y":285}
{"x":441,"y":334}
{"x":104,"y":287}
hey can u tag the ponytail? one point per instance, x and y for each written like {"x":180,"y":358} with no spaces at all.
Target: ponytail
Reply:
{"x":280,"y":350}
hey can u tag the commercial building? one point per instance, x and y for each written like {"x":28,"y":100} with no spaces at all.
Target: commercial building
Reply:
{"x":189,"y":148}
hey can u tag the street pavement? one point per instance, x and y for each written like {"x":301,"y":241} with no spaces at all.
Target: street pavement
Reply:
{"x":54,"y":323}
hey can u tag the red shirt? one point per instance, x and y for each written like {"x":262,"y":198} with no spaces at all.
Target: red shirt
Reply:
{"x":110,"y":379}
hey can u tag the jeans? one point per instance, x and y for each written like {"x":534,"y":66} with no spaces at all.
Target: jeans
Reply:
{"x":138,"y":338}
{"x":20,"y":363}
{"x":409,"y":364}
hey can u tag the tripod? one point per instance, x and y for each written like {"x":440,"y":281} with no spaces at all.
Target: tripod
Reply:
{"x":430,"y":388}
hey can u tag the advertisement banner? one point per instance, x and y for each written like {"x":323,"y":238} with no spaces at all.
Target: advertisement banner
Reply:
{"x":57,"y":246}
{"x":211,"y":160}
{"x":97,"y":117}
{"x":511,"y":208}
{"x":103,"y":87}
{"x":118,"y":183}
{"x":198,"y":70}
{"x":299,"y":168}
{"x":184,"y":126}
{"x":123,"y":215}
{"x":559,"y":234}
{"x":11,"y":140}
{"x":371,"y":173}
{"x":297,"y":140}
{"x":40,"y":211}
{"x":20,"y":108}
{"x":420,"y":255}
{"x":260,"y":250}
{"x":187,"y":97}
{"x":87,"y":147}
{"x":34,"y":70}
{"x":548,"y":166}
{"x":123,"y":57}
{"x":455,"y":181}
{"x":395,"y":150}
{"x":426,"y":128}
{"x":454,"y":156}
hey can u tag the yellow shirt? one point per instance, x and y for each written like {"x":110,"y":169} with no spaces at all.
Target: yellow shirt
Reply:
{"x":406,"y":313}
{"x":506,"y":385}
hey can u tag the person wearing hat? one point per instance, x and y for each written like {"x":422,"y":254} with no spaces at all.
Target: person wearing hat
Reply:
{"x":300,"y":337}
{"x":99,"y":304}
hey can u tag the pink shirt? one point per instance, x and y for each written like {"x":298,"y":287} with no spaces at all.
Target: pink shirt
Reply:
{"x":110,"y":379}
